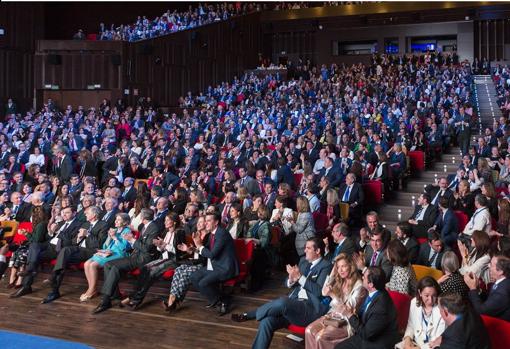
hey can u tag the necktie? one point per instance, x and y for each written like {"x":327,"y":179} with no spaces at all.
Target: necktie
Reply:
{"x":106,"y":216}
{"x":337,"y":251}
{"x":419,"y":213}
{"x":374,"y":258}
{"x":15,"y":210}
{"x":439,"y":193}
{"x":433,"y":259}
{"x":242,"y":182}
{"x":346,"y":194}
{"x":366,"y":303}
{"x":211,"y":241}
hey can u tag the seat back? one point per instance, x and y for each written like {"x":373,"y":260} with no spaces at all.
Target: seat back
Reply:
{"x":417,"y":161}
{"x":244,"y":253}
{"x":297,"y":179}
{"x":344,"y":211}
{"x":402,"y":303}
{"x":138,"y":181}
{"x":499,"y":331}
{"x":421,"y":271}
{"x":373,"y":191}
{"x":462,"y":219}
{"x":276,"y":233}
{"x":320,"y":220}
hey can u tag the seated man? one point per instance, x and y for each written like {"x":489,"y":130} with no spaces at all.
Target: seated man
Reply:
{"x":497,"y":303}
{"x":222,"y":263}
{"x":304,"y":303}
{"x":430,"y":254}
{"x":424,"y":217}
{"x":446,"y":223}
{"x":342,"y":242}
{"x":403,"y":234}
{"x":375,"y":326}
{"x":352,"y":193}
{"x":88,"y":241}
{"x":375,"y":254}
{"x":465,"y":328}
{"x":481,"y":219}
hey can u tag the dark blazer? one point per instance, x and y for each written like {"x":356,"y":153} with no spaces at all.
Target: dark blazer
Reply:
{"x":110,"y":222}
{"x":447,"y":194}
{"x":412,"y":247}
{"x":497,"y":303}
{"x":68,"y":236}
{"x":468,"y":332}
{"x":223,"y":254}
{"x":423,"y":256}
{"x":24,"y":212}
{"x":448,"y":226}
{"x":381,"y":261}
{"x":88,"y":169}
{"x":376,"y":328}
{"x":429,"y":218}
{"x":356,"y":194}
{"x":97,"y":236}
{"x":130,"y":196}
{"x":334,"y":176}
{"x":348,"y":247}
{"x":314,"y":282}
{"x":241,"y":229}
{"x":144,"y":249}
{"x":284,"y":175}
{"x":65,"y":170}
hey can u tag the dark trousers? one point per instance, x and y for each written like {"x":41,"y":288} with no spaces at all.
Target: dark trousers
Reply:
{"x":279,"y":314}
{"x":420,"y":231}
{"x":37,"y":251}
{"x":464,"y":139}
{"x":353,"y":342}
{"x":112,"y":273}
{"x":3,"y":268}
{"x":148,"y":275}
{"x":208,"y":283}
{"x":69,"y":254}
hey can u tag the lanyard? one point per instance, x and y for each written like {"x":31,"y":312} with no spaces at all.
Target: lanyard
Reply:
{"x":426,"y":327}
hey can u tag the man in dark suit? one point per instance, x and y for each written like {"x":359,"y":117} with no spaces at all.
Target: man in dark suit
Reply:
{"x":375,"y":325}
{"x":284,"y":173}
{"x":331,"y":172}
{"x":464,"y":328}
{"x":424,"y":216}
{"x":222,"y":263}
{"x":89,"y":239}
{"x":144,"y":251}
{"x":64,"y":235}
{"x":304,"y":303}
{"x":375,"y":253}
{"x":352,"y":193}
{"x":64,"y":165}
{"x":497,"y":303}
{"x":248,"y":182}
{"x":129,"y":192}
{"x":446,"y":223}
{"x":21,"y":211}
{"x":269,"y":195}
{"x":439,"y":191}
{"x":431,"y":253}
{"x":342,"y":242}
{"x":111,"y":209}
{"x":404,"y":235}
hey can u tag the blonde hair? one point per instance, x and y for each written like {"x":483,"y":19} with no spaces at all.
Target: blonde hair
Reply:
{"x":337,"y":283}
{"x":302,"y":204}
{"x":332,"y":197}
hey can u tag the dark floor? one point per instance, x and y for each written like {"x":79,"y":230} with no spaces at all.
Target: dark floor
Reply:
{"x":192,"y":326}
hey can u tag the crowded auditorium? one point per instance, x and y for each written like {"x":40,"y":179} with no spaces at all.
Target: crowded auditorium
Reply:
{"x":303,"y":175}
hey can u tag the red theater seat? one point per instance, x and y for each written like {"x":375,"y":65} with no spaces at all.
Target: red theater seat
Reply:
{"x":299,"y":330}
{"x":402,"y":303}
{"x":373,"y":191}
{"x":244,"y":252}
{"x":462,"y":219}
{"x":499,"y":331}
{"x":417,"y":159}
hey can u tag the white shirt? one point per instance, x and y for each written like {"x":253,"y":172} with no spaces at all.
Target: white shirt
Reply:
{"x":422,"y":213}
{"x":302,"y":280}
{"x":209,"y":263}
{"x":66,"y":225}
{"x":481,"y":220}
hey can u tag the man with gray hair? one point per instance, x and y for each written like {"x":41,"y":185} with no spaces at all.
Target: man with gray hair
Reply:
{"x":111,"y":209}
{"x":481,"y":219}
{"x":64,"y":166}
{"x":90,"y":238}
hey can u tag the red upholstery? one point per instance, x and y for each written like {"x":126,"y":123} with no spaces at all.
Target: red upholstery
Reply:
{"x":167,"y":275}
{"x":320,"y":220}
{"x":244,"y":252}
{"x":417,"y":159}
{"x":421,"y":240}
{"x":373,"y":191}
{"x":297,"y":179}
{"x":92,"y":37}
{"x":402,"y":303}
{"x":502,"y":191}
{"x":499,"y":331}
{"x":297,"y":329}
{"x":462,"y":219}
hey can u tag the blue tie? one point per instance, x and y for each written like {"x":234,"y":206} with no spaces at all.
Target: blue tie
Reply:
{"x":337,"y":251}
{"x":367,"y":302}
{"x":346,"y":194}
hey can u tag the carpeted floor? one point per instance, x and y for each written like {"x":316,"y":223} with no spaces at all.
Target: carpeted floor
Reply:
{"x":13,"y":340}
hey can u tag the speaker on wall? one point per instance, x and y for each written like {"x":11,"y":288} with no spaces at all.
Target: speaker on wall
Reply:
{"x":54,"y":59}
{"x":116,"y":60}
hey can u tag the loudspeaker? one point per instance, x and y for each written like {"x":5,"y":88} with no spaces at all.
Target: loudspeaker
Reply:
{"x":54,"y":59}
{"x":116,"y":60}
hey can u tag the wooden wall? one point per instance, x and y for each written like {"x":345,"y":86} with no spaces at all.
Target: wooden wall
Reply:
{"x":23,"y":25}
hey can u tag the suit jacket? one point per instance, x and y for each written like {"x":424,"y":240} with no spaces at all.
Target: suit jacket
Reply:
{"x":251,"y":185}
{"x":315,"y":278}
{"x":424,"y":256}
{"x":144,"y":249}
{"x":284,"y":175}
{"x":97,"y":236}
{"x":434,"y":190}
{"x":356,"y":194}
{"x":497,"y":303}
{"x":130,"y":196}
{"x":24,"y":212}
{"x":413,"y":248}
{"x":376,"y":327}
{"x":381,"y":261}
{"x":467,"y":332}
{"x":222,"y":254}
{"x":110,"y":222}
{"x":448,"y":225}
{"x":65,"y":170}
{"x":334,"y":176}
{"x":68,"y":236}
{"x":348,"y":247}
{"x":429,"y":217}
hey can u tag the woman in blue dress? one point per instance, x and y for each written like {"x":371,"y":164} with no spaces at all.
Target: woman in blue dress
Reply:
{"x":117,"y":245}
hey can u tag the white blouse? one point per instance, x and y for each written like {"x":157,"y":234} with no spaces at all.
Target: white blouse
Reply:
{"x":36,"y":159}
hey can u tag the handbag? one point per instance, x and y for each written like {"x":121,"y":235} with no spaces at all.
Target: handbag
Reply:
{"x":336,"y":323}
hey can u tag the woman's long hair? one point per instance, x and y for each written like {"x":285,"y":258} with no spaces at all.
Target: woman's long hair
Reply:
{"x":338,"y":284}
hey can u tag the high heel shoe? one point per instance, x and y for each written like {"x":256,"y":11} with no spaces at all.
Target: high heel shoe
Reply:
{"x":171,"y":307}
{"x":86,"y":297}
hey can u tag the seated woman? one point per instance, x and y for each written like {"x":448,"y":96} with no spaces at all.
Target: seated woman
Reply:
{"x":237,"y":226}
{"x":171,"y":256}
{"x":282,"y":215}
{"x":263,"y":255}
{"x":116,"y":246}
{"x":477,"y":259}
{"x":332,"y":208}
{"x":182,"y":275}
{"x":345,"y":288}
{"x":403,"y":278}
{"x":250,"y":214}
{"x":425,"y":323}
{"x":452,"y":281}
